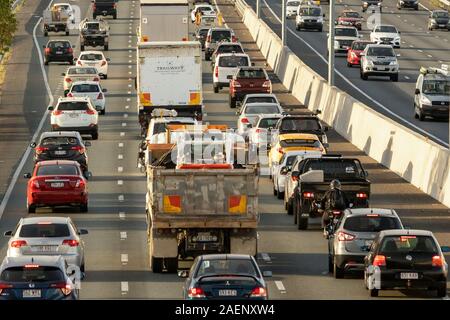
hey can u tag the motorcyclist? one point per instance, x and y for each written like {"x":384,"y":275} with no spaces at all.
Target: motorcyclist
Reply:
{"x":334,"y":199}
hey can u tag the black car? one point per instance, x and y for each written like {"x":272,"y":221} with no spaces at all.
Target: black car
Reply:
{"x":104,"y":8}
{"x":61,"y":145}
{"x":413,"y":4}
{"x":406,"y":259}
{"x":94,"y":33}
{"x":58,"y":51}
{"x":200,"y":36}
{"x":439,"y":19}
{"x":225,"y":276}
{"x":303,"y":124}
{"x":373,"y":4}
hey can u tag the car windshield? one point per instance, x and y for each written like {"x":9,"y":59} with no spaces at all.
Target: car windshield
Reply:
{"x":267,"y":99}
{"x":44,"y":230}
{"x":371,"y":223}
{"x":381,"y":51}
{"x":251,"y":74}
{"x":268,"y":123}
{"x":229,"y":48}
{"x":203,"y":9}
{"x":220,"y":35}
{"x":287,"y":143}
{"x":408,"y":244}
{"x":299,"y":125}
{"x":386,"y":29}
{"x":440,"y":87}
{"x":261,"y":109}
{"x":33,"y":273}
{"x":293,"y":3}
{"x":233,"y":61}
{"x":359,"y":45}
{"x":57,"y":141}
{"x":92,"y":26}
{"x":91,"y":57}
{"x":226,"y":266}
{"x":58,"y":44}
{"x":351,"y":14}
{"x":57,"y":170}
{"x":310,"y":12}
{"x":343,"y":169}
{"x":203,"y":32}
{"x":85,"y":87}
{"x":74,"y":71}
{"x":346,"y":32}
{"x":73,"y":106}
{"x":440,"y":14}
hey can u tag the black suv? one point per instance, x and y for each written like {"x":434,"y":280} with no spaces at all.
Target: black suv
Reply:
{"x":302,"y":124}
{"x":61,"y":145}
{"x":58,"y":51}
{"x":104,"y":8}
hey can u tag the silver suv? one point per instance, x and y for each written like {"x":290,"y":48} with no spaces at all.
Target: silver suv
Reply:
{"x":379,"y":60}
{"x":350,"y":238}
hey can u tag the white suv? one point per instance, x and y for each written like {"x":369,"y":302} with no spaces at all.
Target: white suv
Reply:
{"x":75,"y":114}
{"x":386,"y":34}
{"x":91,"y":89}
{"x":226,"y":65}
{"x":94,"y":59}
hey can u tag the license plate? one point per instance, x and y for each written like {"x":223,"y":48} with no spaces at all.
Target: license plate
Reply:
{"x":409,"y":275}
{"x":443,"y":109}
{"x":60,"y":152}
{"x":227,"y":293}
{"x":442,"y":25}
{"x":74,"y":115}
{"x":32,"y":293}
{"x":44,"y":248}
{"x":57,"y":184}
{"x":59,"y":52}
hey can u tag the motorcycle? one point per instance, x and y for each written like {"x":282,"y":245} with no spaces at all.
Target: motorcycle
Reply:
{"x":141,"y":156}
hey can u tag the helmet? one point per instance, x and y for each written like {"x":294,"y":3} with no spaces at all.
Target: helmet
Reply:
{"x":335,"y":184}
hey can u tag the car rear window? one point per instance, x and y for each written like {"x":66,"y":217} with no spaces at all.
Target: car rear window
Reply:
{"x":336,"y":168}
{"x":220,"y":35}
{"x":91,"y":57}
{"x":57,"y":170}
{"x":408,"y":244}
{"x":228,"y":266}
{"x":300,"y":143}
{"x":251,"y":74}
{"x":233,"y":61}
{"x":368,"y":223}
{"x":57,"y":141}
{"x":35,"y":274}
{"x":85,"y":88}
{"x":73,"y":106}
{"x":307,"y":11}
{"x":387,"y":29}
{"x":230,"y":48}
{"x":268,"y":122}
{"x":58,"y":44}
{"x":351,"y":14}
{"x":52,"y":230}
{"x":261,"y":109}
{"x":289,"y":161}
{"x":299,"y":125}
{"x":345,"y":32}
{"x":82,"y":71}
{"x":261,"y":99}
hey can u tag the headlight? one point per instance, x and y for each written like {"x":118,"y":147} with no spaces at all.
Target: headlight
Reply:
{"x":379,"y":4}
{"x":433,"y":21}
{"x":369,"y":63}
{"x":393,"y":63}
{"x":425,"y":100}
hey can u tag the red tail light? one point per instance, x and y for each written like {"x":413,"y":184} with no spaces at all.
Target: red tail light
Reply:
{"x":70,"y":94}
{"x":342,"y":236}
{"x":70,"y":50}
{"x":258,"y":292}
{"x":94,"y":6}
{"x":100,"y":96}
{"x":90,"y":111}
{"x":294,"y":178}
{"x":68,"y":80}
{"x":96,"y":79}
{"x":4,"y":286}
{"x":103,"y":63}
{"x":66,"y":288}
{"x":80,"y":184}
{"x":18,"y":243}
{"x":79,"y":62}
{"x":216,"y":72}
{"x":361,"y":195}
{"x":196,"y":293}
{"x":47,"y":50}
{"x":267,"y":84}
{"x":80,"y":149}
{"x":437,"y":261}
{"x":308,"y":195}
{"x":245,"y":120}
{"x":115,"y":5}
{"x":71,"y":243}
{"x":57,"y":112}
{"x":39,"y":150}
{"x":379,"y":261}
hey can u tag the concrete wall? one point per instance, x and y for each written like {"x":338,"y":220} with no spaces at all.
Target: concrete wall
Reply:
{"x":422,"y":162}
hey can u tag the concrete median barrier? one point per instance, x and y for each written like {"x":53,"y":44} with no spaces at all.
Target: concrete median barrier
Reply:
{"x":418,"y":160}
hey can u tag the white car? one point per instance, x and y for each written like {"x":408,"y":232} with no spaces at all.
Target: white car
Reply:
{"x":260,"y":134}
{"x":204,"y":8}
{"x":75,"y":114}
{"x":386,"y":34}
{"x":260,"y":97}
{"x":94,"y":59}
{"x":74,"y":74}
{"x":291,"y":8}
{"x":225,"y":66}
{"x":91,"y":89}
{"x":248,"y":115}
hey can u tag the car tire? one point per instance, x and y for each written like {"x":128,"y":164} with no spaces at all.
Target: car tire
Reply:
{"x":420,"y":116}
{"x":363,"y":76}
{"x":416,"y":8}
{"x":216,"y":89}
{"x":82,"y":47}
{"x":290,"y":209}
{"x":297,"y":28}
{"x":373,"y":292}
{"x":45,"y":33}
{"x":115,"y":16}
{"x":171,"y":264}
{"x":157,"y":265}
{"x":106,"y":47}
{"x":67,"y":33}
{"x":102,"y":112}
{"x":31,"y":208}
{"x":442,"y":291}
{"x":302,"y":223}
{"x":232,"y":102}
{"x":338,"y":272}
{"x":105,"y":76}
{"x":320,"y":30}
{"x":280,"y":195}
{"x":94,"y":135}
{"x":330,"y":264}
{"x":394,"y":78}
{"x":349,"y":64}
{"x":84,"y":207}
{"x":275,"y":192}
{"x":46,"y":62}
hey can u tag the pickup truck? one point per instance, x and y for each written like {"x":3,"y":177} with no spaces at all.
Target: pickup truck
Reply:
{"x":104,"y":8}
{"x":94,"y":33}
{"x":313,"y":177}
{"x":248,"y":80}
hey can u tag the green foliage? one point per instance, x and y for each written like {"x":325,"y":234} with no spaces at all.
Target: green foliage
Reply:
{"x":8,"y":25}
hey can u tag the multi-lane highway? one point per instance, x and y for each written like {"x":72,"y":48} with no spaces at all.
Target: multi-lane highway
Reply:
{"x":116,"y":247}
{"x":419,"y":47}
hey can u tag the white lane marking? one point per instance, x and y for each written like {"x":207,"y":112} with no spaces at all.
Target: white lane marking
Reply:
{"x":125,"y":115}
{"x":440,"y":61}
{"x":120,"y":182}
{"x":129,"y":86}
{"x":398,"y":16}
{"x":420,"y":29}
{"x":129,"y":92}
{"x":120,"y":144}
{"x":406,"y":77}
{"x":120,"y":156}
{"x":425,"y":133}
{"x":123,"y":235}
{"x":122,"y":134}
{"x":122,"y":215}
{"x":411,"y":46}
{"x":124,"y":124}
{"x":265,"y":257}
{"x":325,"y":272}
{"x":130,"y":56}
{"x":124,"y":287}
{"x":419,"y":50}
{"x":128,"y":99}
{"x":25,"y":156}
{"x":130,"y":51}
{"x":429,"y":56}
{"x":129,"y":72}
{"x":127,"y":107}
{"x":280,"y":286}
{"x":130,"y":61}
{"x":124,"y":258}
{"x":120,"y":169}
{"x":121,"y":198}
{"x":129,"y":67}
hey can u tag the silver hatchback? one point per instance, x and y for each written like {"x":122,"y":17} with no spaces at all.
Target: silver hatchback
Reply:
{"x":350,"y":238}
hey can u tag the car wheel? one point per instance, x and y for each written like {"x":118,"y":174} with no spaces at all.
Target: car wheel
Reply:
{"x":216,"y":89}
{"x":320,"y":29}
{"x":442,"y":291}
{"x":105,"y":76}
{"x":84,"y":207}
{"x":31,"y":208}
{"x":46,"y":62}
{"x":373,"y":292}
{"x":157,"y":265}
{"x":330,"y":263}
{"x":94,"y":135}
{"x":102,"y":112}
{"x":394,"y":78}
{"x":338,"y":272}
{"x":349,"y":64}
{"x":363,"y":76}
{"x":302,"y":223}
{"x":280,"y":195}
{"x":420,"y":116}
{"x":67,"y":33}
{"x":232,"y":102}
{"x":106,"y":47}
{"x":297,"y":28}
{"x":275,"y":192}
{"x":115,"y":16}
{"x":290,"y":209}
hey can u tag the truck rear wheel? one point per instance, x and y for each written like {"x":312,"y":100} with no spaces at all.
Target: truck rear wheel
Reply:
{"x":157,"y":265}
{"x":171,"y":264}
{"x":290,"y":209}
{"x":302,"y":223}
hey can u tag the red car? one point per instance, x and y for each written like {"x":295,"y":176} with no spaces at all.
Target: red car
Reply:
{"x":350,"y":18}
{"x":354,"y":52}
{"x":248,"y":80}
{"x":57,"y":183}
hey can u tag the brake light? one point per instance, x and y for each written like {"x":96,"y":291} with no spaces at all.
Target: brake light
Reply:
{"x":57,"y":112}
{"x":68,"y":80}
{"x":342,"y":236}
{"x":80,"y":149}
{"x":5,"y":286}
{"x":94,"y":6}
{"x":114,"y":5}
{"x":80,"y":184}
{"x":437,"y":261}
{"x":39,"y":150}
{"x":70,"y":95}
{"x":100,"y":96}
{"x":361,"y":195}
{"x":196,"y":293}
{"x":260,"y":130}
{"x":308,"y":195}
{"x":90,"y":111}
{"x":47,"y":50}
{"x":103,"y":63}
{"x":258,"y":292}
{"x":217,"y":72}
{"x":35,"y":184}
{"x":31,"y":266}
{"x":18,"y":243}
{"x":379,"y":261}
{"x":70,"y":50}
{"x":71,"y":243}
{"x":79,"y":62}
{"x":266,"y":84}
{"x":244,"y":120}
{"x":66,"y":288}
{"x":294,"y":178}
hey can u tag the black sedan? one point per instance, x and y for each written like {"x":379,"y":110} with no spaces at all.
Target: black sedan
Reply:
{"x":225,"y":276}
{"x":58,"y":51}
{"x":406,"y":259}
{"x":61,"y":145}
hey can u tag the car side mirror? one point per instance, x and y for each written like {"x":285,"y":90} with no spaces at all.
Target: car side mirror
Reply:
{"x":229,"y":77}
{"x":33,"y":145}
{"x":27,"y":175}
{"x":445,"y":249}
{"x":417,"y":91}
{"x":183,"y":273}
{"x":8,"y":233}
{"x":253,"y":64}
{"x":50,"y":108}
{"x":399,"y":32}
{"x":63,"y":74}
{"x":267,"y":274}
{"x":88,"y":175}
{"x":108,"y":59}
{"x":87,"y":143}
{"x":82,"y":232}
{"x":104,"y":90}
{"x":284,"y":170}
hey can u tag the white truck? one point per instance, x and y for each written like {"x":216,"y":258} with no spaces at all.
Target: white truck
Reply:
{"x":169,"y":76}
{"x":164,"y":20}
{"x":58,"y":19}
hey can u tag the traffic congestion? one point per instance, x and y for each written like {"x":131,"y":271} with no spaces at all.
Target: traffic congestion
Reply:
{"x":171,"y":161}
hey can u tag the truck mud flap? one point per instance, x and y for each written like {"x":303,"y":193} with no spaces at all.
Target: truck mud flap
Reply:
{"x":244,"y":241}
{"x":162,"y":245}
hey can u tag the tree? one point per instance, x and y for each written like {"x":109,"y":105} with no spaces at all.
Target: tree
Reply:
{"x":8,"y":25}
